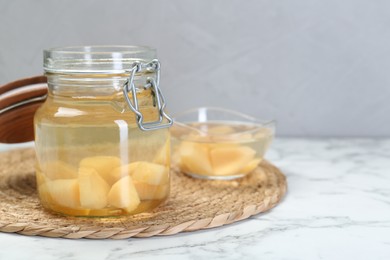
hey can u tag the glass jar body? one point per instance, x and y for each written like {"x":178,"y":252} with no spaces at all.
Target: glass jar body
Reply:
{"x":92,"y":158}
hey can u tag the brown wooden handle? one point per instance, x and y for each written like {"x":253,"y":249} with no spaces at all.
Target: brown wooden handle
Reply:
{"x":22,"y":83}
{"x":18,"y":102}
{"x":20,"y":95}
{"x":17,"y":125}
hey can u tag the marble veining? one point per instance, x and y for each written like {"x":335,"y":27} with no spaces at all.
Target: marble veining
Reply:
{"x":337,"y":207}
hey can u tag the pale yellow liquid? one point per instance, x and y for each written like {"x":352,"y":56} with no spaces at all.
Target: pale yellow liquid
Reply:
{"x":219,"y":150}
{"x":68,"y":131}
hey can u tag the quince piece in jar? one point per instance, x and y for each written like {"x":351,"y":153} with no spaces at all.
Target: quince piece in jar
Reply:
{"x":124,"y":195}
{"x":122,"y":171}
{"x":230,"y":160}
{"x":194,"y":157}
{"x":150,"y":173}
{"x":93,"y":189}
{"x":151,"y":192}
{"x":65,"y":192}
{"x":55,"y":170}
{"x":103,"y":165}
{"x":49,"y":202}
{"x":250,"y":166}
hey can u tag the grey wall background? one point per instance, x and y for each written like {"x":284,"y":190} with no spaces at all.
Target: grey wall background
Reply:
{"x":320,"y":68}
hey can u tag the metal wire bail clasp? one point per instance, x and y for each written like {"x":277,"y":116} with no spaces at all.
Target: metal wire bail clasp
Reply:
{"x":159,"y":100}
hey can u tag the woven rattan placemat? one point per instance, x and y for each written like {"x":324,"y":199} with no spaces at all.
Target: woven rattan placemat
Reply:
{"x":193,"y":204}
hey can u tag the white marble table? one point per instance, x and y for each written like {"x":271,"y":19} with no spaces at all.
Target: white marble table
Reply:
{"x":337,"y":207}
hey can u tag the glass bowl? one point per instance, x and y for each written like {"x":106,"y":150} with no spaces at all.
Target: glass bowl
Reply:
{"x":221,"y":144}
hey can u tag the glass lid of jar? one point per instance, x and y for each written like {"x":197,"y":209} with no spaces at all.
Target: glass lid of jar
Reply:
{"x":105,"y":59}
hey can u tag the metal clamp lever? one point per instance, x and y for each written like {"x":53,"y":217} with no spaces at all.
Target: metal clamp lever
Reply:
{"x":129,"y":87}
